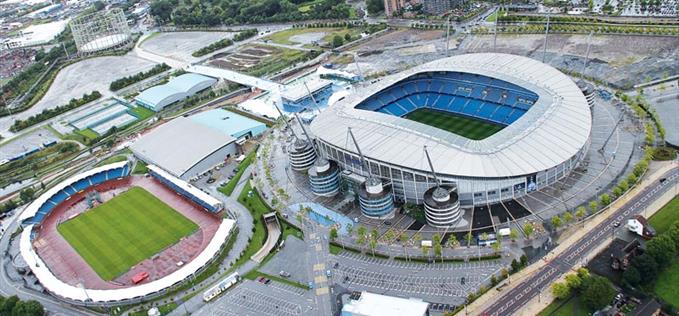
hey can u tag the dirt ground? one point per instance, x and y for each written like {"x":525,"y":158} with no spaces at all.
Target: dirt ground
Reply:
{"x":400,"y":37}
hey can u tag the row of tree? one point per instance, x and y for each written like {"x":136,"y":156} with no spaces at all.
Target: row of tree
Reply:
{"x":595,"y":291}
{"x":12,"y":306}
{"x":577,"y":19}
{"x":50,"y":113}
{"x":126,"y":81}
{"x":243,"y":35}
{"x":230,"y":12}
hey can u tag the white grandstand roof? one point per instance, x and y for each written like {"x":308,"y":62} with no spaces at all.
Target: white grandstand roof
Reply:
{"x":64,"y":290}
{"x":186,"y":187}
{"x":33,"y":208}
{"x":179,"y":144}
{"x":556,"y":127}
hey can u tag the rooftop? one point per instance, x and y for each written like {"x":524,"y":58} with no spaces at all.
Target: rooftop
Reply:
{"x":179,"y":144}
{"x":370,"y":304}
{"x":227,"y":122}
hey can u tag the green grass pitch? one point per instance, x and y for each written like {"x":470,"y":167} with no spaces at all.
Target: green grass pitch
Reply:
{"x":129,"y":228}
{"x":464,"y":126}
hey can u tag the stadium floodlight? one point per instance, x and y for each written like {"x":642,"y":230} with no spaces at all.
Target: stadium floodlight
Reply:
{"x":544,"y":49}
{"x":275,"y":104}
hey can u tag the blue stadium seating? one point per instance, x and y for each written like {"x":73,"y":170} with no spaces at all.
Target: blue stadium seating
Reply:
{"x":70,"y":190}
{"x":183,"y":192}
{"x":468,"y":94}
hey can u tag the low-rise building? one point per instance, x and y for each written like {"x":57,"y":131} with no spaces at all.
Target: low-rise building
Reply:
{"x":371,"y":304}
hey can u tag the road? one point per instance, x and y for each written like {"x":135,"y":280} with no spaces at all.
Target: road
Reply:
{"x":521,"y":294}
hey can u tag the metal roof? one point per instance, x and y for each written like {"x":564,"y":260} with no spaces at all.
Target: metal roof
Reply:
{"x":228,"y":122}
{"x":178,"y":145}
{"x":556,"y":127}
{"x":177,"y":88}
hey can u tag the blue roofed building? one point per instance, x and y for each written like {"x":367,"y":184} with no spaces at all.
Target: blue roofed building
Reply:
{"x":177,"y":89}
{"x":235,"y":125}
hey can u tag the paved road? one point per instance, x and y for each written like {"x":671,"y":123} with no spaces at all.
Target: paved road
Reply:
{"x":514,"y":299}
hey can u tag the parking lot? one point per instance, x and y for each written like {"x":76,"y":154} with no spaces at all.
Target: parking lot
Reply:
{"x":254,"y":298}
{"x":449,"y":282}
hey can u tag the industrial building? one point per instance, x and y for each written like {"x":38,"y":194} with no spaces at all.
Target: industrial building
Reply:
{"x":178,"y":88}
{"x":188,"y":146}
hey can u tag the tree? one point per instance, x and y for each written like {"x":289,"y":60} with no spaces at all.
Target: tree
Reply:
{"x":593,"y":206}
{"x":560,"y":290}
{"x":469,"y":239}
{"x":347,"y":37}
{"x":375,"y":6}
{"x":484,"y":237}
{"x":567,"y":217}
{"x":523,"y":260}
{"x":26,"y":195}
{"x":528,"y":229}
{"x":337,"y":41}
{"x":425,"y":251}
{"x":580,"y":212}
{"x":404,"y":241}
{"x":647,"y":267}
{"x":497,"y":245}
{"x":583,"y":273}
{"x":360,"y":240}
{"x":28,"y":308}
{"x":350,"y":229}
{"x":298,"y":216}
{"x":597,"y":292}
{"x":516,"y":266}
{"x":417,"y":238}
{"x":631,"y":276}
{"x":373,"y":244}
{"x":663,"y":249}
{"x":452,"y":242}
{"x":389,"y":235}
{"x":556,"y":221}
{"x":374,"y":234}
{"x":333,"y":234}
{"x":513,"y":234}
{"x":574,"y":281}
{"x":605,"y":199}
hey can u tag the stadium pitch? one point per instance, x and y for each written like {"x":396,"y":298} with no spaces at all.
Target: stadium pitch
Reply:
{"x":464,"y":126}
{"x":121,"y":232}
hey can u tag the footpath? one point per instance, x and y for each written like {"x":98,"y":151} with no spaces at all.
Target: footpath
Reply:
{"x":538,"y":303}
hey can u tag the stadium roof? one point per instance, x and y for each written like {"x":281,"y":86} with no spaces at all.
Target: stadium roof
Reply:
{"x":179,"y":144}
{"x":176,"y":89}
{"x":298,"y":91}
{"x":371,"y":304}
{"x":227,"y":122}
{"x":553,"y":131}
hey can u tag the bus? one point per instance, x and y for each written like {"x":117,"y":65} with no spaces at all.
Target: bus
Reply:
{"x":220,"y":287}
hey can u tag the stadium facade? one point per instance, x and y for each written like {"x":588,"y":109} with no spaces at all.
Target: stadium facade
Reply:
{"x":544,"y":117}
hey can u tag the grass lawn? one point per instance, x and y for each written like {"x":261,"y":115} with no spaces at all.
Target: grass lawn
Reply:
{"x":124,"y":231}
{"x":279,"y":60}
{"x":572,"y":307}
{"x":140,"y":168}
{"x":142,"y":112}
{"x":257,"y":208}
{"x":112,"y":159}
{"x":668,"y":214}
{"x":666,"y":286}
{"x":228,"y":188}
{"x":88,"y":133}
{"x":283,"y":37}
{"x":464,"y":126}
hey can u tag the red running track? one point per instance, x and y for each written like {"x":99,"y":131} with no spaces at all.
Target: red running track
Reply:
{"x":67,"y":265}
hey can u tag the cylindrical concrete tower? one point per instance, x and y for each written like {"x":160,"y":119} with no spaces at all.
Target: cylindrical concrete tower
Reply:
{"x":442,"y":206}
{"x":324,"y":177}
{"x":301,"y":155}
{"x":375,"y":200}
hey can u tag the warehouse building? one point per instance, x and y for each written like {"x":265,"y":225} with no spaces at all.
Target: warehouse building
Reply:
{"x":188,"y":146}
{"x":178,"y":88}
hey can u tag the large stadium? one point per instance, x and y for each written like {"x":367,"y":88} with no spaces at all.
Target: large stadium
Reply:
{"x":107,"y":237}
{"x":496,"y":127}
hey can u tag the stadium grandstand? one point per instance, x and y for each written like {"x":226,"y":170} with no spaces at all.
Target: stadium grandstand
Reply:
{"x":497,"y":126}
{"x":76,"y":190}
{"x":178,"y":88}
{"x":221,"y":133}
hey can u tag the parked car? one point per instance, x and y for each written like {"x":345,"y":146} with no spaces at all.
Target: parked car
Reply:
{"x":284,"y":274}
{"x":328,"y":273}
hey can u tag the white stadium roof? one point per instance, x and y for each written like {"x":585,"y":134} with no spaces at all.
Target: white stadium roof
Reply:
{"x":556,"y":127}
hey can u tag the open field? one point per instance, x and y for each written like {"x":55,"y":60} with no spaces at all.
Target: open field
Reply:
{"x":261,"y":60}
{"x":460,"y":125}
{"x":666,"y":286}
{"x":180,"y":45}
{"x":663,"y":219}
{"x":572,"y":307}
{"x":312,"y":37}
{"x":125,"y":230}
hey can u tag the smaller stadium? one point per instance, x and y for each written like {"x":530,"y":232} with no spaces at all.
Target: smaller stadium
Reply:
{"x":106,"y":237}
